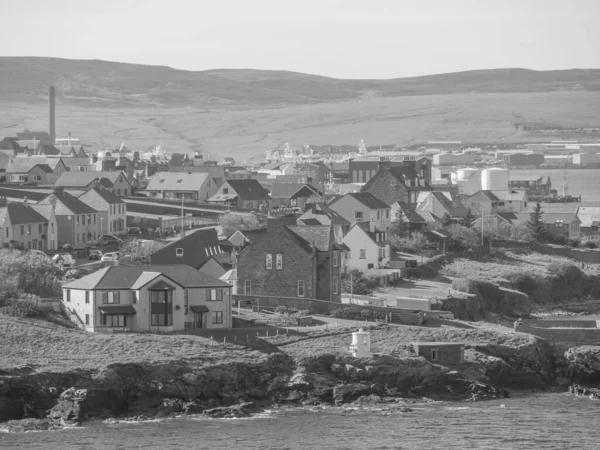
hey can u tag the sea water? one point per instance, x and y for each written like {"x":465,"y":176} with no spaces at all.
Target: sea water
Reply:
{"x":543,"y":421}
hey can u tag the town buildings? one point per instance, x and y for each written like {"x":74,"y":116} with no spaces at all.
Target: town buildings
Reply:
{"x":177,"y":185}
{"x":589,"y":217}
{"x":193,"y":250}
{"x":22,"y":227}
{"x":114,"y":181}
{"x":243,"y":194}
{"x":369,"y":248}
{"x":534,"y":185}
{"x":148,"y":298}
{"x":112,"y":210}
{"x":363,"y":207}
{"x":293,"y":195}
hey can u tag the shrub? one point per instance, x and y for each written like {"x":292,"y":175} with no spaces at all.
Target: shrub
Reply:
{"x":568,"y":273}
{"x":589,"y":244}
{"x":464,"y":285}
{"x":18,"y":307}
{"x":361,"y":285}
{"x":522,"y":282}
{"x":351,"y":313}
{"x":485,"y":289}
{"x":291,"y":311}
{"x":560,"y":240}
{"x":573,"y":242}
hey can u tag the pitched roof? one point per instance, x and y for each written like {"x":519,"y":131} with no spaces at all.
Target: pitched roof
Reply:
{"x":20,"y":214}
{"x":402,"y":173}
{"x":197,"y":247}
{"x":588,"y":214}
{"x":369,"y":200}
{"x":177,"y":181}
{"x":566,"y":217}
{"x":373,"y":235}
{"x":523,"y":177}
{"x":66,"y":204}
{"x":124,"y":277}
{"x":412,"y":216}
{"x":488,"y":194}
{"x":319,"y":236}
{"x":249,"y":189}
{"x":293,"y":190}
{"x":106,"y":195}
{"x":45,"y":167}
{"x":84,"y":179}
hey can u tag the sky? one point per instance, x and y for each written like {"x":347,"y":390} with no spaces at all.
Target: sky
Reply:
{"x":341,"y":39}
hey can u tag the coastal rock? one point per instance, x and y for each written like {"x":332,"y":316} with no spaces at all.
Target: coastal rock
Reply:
{"x":69,"y":409}
{"x":583,"y":363}
{"x":300,"y":381}
{"x":346,"y":393}
{"x":230,"y":412}
{"x":581,"y":391}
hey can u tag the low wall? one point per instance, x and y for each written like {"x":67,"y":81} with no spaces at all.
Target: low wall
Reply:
{"x":586,"y":256}
{"x":325,"y":308}
{"x":572,"y":336}
{"x":560,"y":323}
{"x":50,"y":304}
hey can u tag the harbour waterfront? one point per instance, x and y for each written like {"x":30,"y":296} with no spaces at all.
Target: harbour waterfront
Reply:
{"x":540,"y":421}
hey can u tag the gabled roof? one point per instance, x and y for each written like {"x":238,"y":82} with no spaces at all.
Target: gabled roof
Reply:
{"x":549,"y":218}
{"x":402,"y":173}
{"x":66,"y":204}
{"x":177,"y":181}
{"x":125,"y":277}
{"x":106,"y":195}
{"x":319,"y":236}
{"x":197,"y":247}
{"x":293,"y":190}
{"x":45,"y":168}
{"x":368,"y":199}
{"x":83,"y":179}
{"x":487,"y":194}
{"x":412,"y":216}
{"x":588,"y":214}
{"x":249,"y":189}
{"x":513,"y":176}
{"x":20,"y":214}
{"x":371,"y":234}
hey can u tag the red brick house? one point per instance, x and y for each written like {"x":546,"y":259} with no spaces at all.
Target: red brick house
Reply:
{"x":398,"y":184}
{"x":290,"y":260}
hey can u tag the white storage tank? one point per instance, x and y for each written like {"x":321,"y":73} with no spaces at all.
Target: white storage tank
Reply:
{"x":494,"y":179}
{"x":361,"y":344}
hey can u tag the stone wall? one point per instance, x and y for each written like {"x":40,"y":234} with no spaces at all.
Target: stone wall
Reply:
{"x":560,"y":323}
{"x":572,"y":336}
{"x":446,"y":354}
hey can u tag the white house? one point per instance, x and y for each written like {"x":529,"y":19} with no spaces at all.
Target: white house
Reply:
{"x":369,"y":248}
{"x":363,"y":207}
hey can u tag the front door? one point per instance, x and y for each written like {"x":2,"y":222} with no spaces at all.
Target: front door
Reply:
{"x":199,"y":320}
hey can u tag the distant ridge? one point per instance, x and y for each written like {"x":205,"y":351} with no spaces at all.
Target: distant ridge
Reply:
{"x":103,"y":83}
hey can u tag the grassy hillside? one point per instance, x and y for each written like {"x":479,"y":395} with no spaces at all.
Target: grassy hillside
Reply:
{"x":242,"y":113}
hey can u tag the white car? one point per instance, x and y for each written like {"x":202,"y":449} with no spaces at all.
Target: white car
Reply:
{"x":109,"y":257}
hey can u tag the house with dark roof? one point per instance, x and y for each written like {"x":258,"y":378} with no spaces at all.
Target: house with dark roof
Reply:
{"x":399,"y":183}
{"x":178,"y":185}
{"x":149,"y":298}
{"x":289,"y":260}
{"x":22,"y":227}
{"x":243,"y":194}
{"x":439,"y":204}
{"x":363,"y":207}
{"x":77,"y":222}
{"x":37,"y":169}
{"x":293,"y":195}
{"x":9,"y":146}
{"x":491,"y":202}
{"x":112,"y":210}
{"x":322,"y":214}
{"x":218,"y":264}
{"x":116,"y":181}
{"x":533,"y":185}
{"x":403,"y":212}
{"x":369,"y":248}
{"x":565,"y":224}
{"x":316,"y":172}
{"x":193,"y":250}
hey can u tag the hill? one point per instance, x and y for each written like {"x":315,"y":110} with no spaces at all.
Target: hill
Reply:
{"x":244,"y":112}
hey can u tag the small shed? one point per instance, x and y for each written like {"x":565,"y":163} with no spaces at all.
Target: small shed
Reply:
{"x":441,"y":352}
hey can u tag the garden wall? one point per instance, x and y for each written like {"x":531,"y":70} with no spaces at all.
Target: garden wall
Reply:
{"x":560,"y":323}
{"x":572,"y":336}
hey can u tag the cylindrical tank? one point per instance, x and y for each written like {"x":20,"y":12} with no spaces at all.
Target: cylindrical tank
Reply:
{"x":494,"y":179}
{"x":361,"y":343}
{"x":465,"y":174}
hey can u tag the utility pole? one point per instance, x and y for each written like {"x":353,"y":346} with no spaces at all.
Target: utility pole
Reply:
{"x":182,"y":228}
{"x":482,"y":228}
{"x":351,"y":288}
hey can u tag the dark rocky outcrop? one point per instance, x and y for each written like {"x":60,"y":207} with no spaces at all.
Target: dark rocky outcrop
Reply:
{"x":583,"y":364}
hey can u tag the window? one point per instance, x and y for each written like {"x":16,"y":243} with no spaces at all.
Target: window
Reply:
{"x":118,"y":191}
{"x":94,"y":219}
{"x":114,"y":320}
{"x":434,"y":354}
{"x":8,"y":229}
{"x":335,"y":285}
{"x":125,"y":192}
{"x":363,"y":253}
{"x":87,"y":318}
{"x":335,"y":259}
{"x":559,"y":224}
{"x":387,"y":213}
{"x":358,"y":216}
{"x":301,"y":290}
{"x":68,"y":295}
{"x":179,"y":252}
{"x":111,"y":297}
{"x":215,"y":295}
{"x":87,"y":296}
{"x":269,"y":261}
{"x":217,"y":316}
{"x":161,"y":308}
{"x":22,"y":230}
{"x":134,"y":297}
{"x":77,"y":219}
{"x":247,"y":287}
{"x":89,"y":219}
{"x":378,"y":215}
{"x":186,"y":297}
{"x":40,"y":229}
{"x":225,"y":191}
{"x":279,"y":261}
{"x":37,"y":178}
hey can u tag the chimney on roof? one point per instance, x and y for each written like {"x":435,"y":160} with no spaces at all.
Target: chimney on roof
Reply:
{"x":372,"y":226}
{"x":384,"y":162}
{"x":59,"y":190}
{"x":25,"y":200}
{"x":51,"y":114}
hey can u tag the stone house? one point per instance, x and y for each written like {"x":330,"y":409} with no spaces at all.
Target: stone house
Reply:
{"x":399,"y":183}
{"x":369,"y":249}
{"x":243,"y":194}
{"x":187,"y":185}
{"x":116,"y":181}
{"x":148,"y":298}
{"x":444,"y":353}
{"x":315,"y":172}
{"x":322,"y":214}
{"x":363,"y":207}
{"x":290,"y":260}
{"x":112,"y":210}
{"x":193,"y":250}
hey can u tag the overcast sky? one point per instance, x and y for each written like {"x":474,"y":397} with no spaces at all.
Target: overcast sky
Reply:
{"x":338,"y":38}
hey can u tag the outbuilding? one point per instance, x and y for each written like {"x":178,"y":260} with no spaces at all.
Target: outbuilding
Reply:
{"x":441,"y":352}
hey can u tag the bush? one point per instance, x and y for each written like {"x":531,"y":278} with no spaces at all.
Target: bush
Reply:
{"x":568,"y":273}
{"x":522,"y":282}
{"x":589,"y":244}
{"x":358,"y":314}
{"x":573,"y":242}
{"x":361,"y":285}
{"x":291,"y":311}
{"x":18,"y":307}
{"x":560,"y":240}
{"x":485,"y":289}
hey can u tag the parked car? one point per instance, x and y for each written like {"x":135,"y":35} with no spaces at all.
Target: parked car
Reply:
{"x":95,"y":254}
{"x":66,"y":248}
{"x":109,"y":239}
{"x":134,"y":231}
{"x":64,"y":260}
{"x":109,"y":257}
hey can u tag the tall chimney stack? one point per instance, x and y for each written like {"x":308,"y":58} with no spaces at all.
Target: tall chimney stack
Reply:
{"x":51,"y":117}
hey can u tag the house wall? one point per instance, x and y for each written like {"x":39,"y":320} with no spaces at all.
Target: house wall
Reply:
{"x":348,"y":206}
{"x":28,"y":239}
{"x":328,"y":275}
{"x":112,"y":217}
{"x":121,"y":186}
{"x":570,"y":230}
{"x":78,"y":305}
{"x":356,"y":239}
{"x":37,"y":175}
{"x":298,"y":264}
{"x":213,"y":268}
{"x":76,"y":234}
{"x":447,"y":354}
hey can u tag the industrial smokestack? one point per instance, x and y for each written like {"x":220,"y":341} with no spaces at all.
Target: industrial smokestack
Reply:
{"x":51,"y":118}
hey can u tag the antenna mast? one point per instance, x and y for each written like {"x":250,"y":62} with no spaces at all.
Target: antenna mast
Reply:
{"x":565,"y":183}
